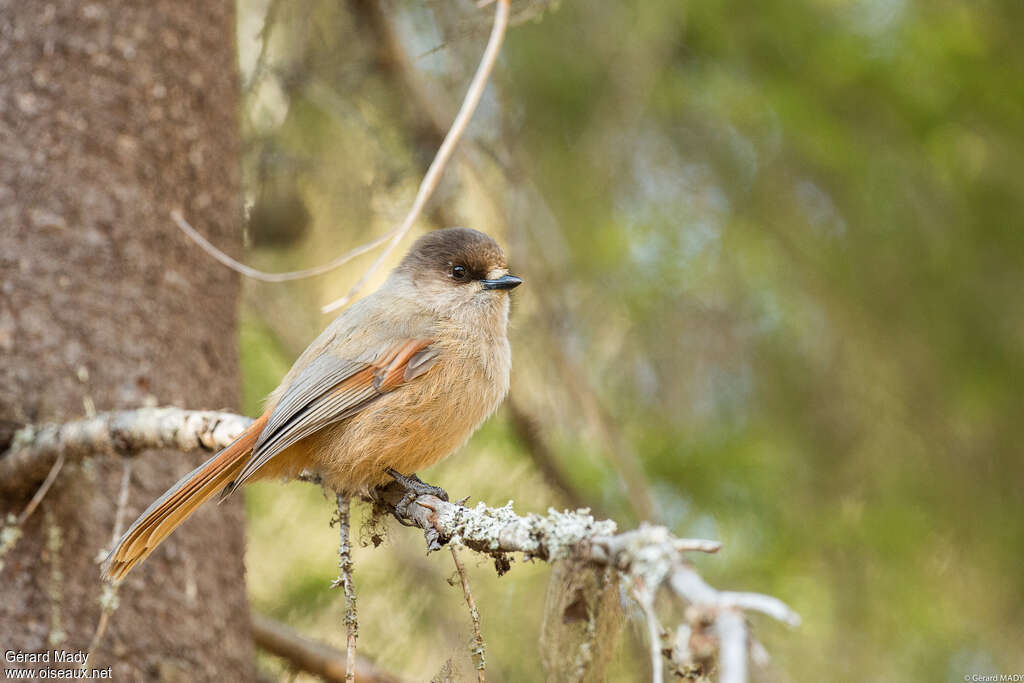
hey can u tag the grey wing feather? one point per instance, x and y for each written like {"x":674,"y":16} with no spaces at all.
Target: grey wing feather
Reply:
{"x":320,"y":375}
{"x":310,"y":404}
{"x":319,"y":414}
{"x":306,"y":407}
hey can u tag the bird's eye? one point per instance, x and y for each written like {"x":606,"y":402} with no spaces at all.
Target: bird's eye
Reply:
{"x":459,"y":272}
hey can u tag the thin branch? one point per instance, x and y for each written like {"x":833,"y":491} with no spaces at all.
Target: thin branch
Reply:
{"x":732,"y":649}
{"x":444,"y":153}
{"x":688,"y":584}
{"x":427,"y":122}
{"x":108,"y":597}
{"x":108,"y":603}
{"x":55,"y":589}
{"x":645,"y":598}
{"x":11,"y":532}
{"x":345,"y":580}
{"x":122,"y":502}
{"x":479,"y":649}
{"x":256,"y":274}
{"x":423,"y":194}
{"x":311,"y":656}
{"x":698,"y":545}
{"x":269,"y":22}
{"x":43,"y":488}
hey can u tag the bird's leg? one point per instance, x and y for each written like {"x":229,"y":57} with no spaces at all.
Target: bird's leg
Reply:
{"x":415,"y":485}
{"x":413,"y":488}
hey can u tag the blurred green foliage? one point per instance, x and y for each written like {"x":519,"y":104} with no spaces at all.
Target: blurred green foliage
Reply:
{"x":778,"y":245}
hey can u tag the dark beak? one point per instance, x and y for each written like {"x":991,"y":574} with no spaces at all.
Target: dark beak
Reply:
{"x":504,"y":282}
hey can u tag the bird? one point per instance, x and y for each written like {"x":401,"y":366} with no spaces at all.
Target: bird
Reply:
{"x":398,"y":381}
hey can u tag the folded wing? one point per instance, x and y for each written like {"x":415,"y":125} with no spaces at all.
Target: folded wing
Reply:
{"x":331,"y":389}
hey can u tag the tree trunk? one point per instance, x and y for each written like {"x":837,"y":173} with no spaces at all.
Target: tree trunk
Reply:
{"x":111,"y":115}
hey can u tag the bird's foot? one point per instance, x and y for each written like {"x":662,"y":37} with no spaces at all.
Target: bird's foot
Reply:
{"x":414,"y":487}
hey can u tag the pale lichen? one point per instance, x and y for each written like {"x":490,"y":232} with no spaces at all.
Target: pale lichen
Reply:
{"x":108,"y":598}
{"x":10,"y":534}
{"x":23,"y":437}
{"x":497,"y":530}
{"x":54,"y":544}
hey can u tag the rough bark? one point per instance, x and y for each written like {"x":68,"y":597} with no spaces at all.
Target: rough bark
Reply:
{"x":111,"y":115}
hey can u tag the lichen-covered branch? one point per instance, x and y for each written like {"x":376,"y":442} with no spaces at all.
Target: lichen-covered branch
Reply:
{"x":34,"y":449}
{"x":649,"y":558}
{"x":479,"y":650}
{"x":346,"y":581}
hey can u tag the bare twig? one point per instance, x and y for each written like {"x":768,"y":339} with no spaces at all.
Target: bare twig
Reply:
{"x":444,"y":153}
{"x":108,"y":597}
{"x":345,"y":580}
{"x":311,"y":656}
{"x":698,"y":545}
{"x":269,"y":22}
{"x":122,"y":502}
{"x":41,"y":492}
{"x":479,"y":649}
{"x":423,"y":194}
{"x":256,"y":274}
{"x":10,"y":533}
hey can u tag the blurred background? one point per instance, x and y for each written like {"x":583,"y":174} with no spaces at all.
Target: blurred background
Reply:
{"x":773,"y":259}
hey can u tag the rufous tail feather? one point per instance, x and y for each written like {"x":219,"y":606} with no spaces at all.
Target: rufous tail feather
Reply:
{"x":181,"y":500}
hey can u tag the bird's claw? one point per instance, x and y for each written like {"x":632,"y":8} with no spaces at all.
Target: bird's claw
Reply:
{"x":401,"y":509}
{"x":416,"y":486}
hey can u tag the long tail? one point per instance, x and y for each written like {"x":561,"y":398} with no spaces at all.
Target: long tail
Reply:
{"x":180,"y":501}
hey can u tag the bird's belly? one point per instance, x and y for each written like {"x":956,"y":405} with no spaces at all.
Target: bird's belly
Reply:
{"x":408,"y":429}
